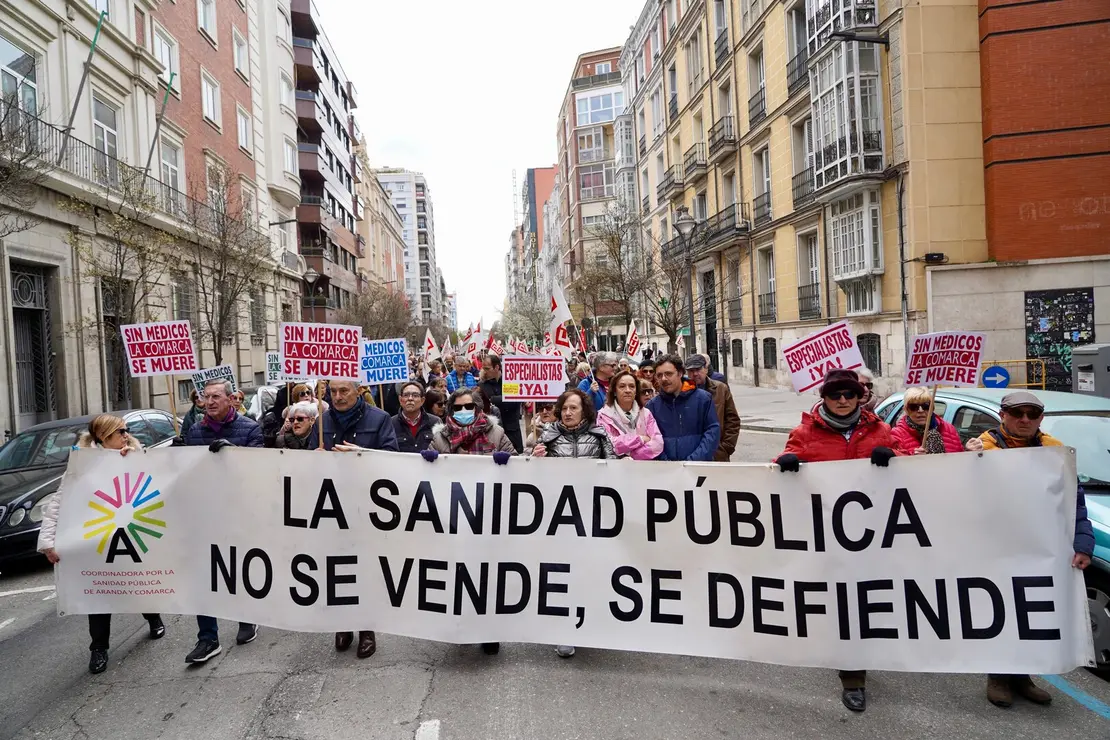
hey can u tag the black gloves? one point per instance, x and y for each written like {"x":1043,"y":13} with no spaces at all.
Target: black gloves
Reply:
{"x":501,"y":458}
{"x":789,"y":463}
{"x":177,"y":442}
{"x":218,"y":445}
{"x":881,"y":456}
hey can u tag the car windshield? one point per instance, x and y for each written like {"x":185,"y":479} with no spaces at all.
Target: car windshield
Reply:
{"x":35,"y":449}
{"x":1090,"y":436}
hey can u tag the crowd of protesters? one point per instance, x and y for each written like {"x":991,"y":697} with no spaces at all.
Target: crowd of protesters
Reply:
{"x":661,"y":408}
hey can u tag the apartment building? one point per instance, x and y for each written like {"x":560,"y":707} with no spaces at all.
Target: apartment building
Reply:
{"x":56,"y":323}
{"x":383,"y":261}
{"x":586,"y":166}
{"x":412,"y":198}
{"x":327,"y":135}
{"x":551,"y":242}
{"x":452,"y":321}
{"x":514,"y":267}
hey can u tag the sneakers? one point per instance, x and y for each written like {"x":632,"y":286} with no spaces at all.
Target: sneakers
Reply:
{"x":204,"y":650}
{"x":98,"y":661}
{"x":157,"y":629}
{"x":564,"y":651}
{"x":247,"y":633}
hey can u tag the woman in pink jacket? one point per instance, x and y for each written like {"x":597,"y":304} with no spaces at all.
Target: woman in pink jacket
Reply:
{"x":909,"y":433}
{"x":631,"y":427}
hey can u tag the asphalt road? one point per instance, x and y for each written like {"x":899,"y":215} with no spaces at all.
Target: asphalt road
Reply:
{"x":292,"y":685}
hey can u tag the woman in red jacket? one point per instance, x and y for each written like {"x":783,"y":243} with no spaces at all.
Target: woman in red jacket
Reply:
{"x":840,"y":429}
{"x":942,"y":436}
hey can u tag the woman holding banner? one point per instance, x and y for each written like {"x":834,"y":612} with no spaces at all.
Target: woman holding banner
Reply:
{"x":840,"y":428}
{"x":108,"y":432}
{"x":630,"y":426}
{"x":909,"y":433}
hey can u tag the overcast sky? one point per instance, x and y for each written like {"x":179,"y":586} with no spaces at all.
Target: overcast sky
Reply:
{"x":465,"y":92}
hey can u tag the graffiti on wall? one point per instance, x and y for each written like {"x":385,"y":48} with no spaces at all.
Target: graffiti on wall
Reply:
{"x":1055,"y":322}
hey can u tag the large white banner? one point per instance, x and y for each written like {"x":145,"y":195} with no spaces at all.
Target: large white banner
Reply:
{"x":951,"y":563}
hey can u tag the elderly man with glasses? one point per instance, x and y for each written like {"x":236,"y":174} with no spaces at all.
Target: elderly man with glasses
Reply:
{"x":414,"y":426}
{"x":604,"y":365}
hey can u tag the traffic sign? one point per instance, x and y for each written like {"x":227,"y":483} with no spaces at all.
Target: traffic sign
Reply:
{"x":996,"y":376}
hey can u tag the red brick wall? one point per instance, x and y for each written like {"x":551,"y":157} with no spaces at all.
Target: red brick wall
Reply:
{"x":195,"y":49}
{"x":1046,"y":127}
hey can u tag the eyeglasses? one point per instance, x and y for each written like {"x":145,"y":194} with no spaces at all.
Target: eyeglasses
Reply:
{"x":868,"y":386}
{"x":647,"y":392}
{"x":124,"y":432}
{"x":411,"y":395}
{"x":466,"y":406}
{"x":304,"y":393}
{"x":917,"y":407}
{"x":845,"y":395}
{"x":301,"y":418}
{"x":1032,"y":414}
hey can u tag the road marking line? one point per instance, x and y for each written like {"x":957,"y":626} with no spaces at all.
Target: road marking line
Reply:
{"x":53,"y":595}
{"x":6,"y":622}
{"x":1081,"y":696}
{"x":35,"y":590}
{"x":428,"y":730}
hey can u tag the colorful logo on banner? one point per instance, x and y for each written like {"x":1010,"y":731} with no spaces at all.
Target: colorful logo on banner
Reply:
{"x":125,"y":518}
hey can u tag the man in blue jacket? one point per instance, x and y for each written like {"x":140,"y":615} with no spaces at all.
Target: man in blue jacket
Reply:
{"x":222,"y":426}
{"x":604,"y":366}
{"x":350,"y":425}
{"x":685,"y":415}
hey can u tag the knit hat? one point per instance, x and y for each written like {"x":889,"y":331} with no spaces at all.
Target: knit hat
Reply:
{"x":841,"y":380}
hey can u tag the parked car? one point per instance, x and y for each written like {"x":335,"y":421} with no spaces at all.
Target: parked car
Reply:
{"x":258,"y":399}
{"x":32,"y":464}
{"x":1079,"y":421}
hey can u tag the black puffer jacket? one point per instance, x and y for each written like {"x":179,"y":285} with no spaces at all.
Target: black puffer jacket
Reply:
{"x":584,"y":442}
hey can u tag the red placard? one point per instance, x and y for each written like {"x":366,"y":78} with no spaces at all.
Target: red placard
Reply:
{"x":321,"y":351}
{"x":159,"y":348}
{"x":951,"y":358}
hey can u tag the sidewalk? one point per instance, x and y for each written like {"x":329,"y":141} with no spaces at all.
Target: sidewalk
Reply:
{"x":770,"y":409}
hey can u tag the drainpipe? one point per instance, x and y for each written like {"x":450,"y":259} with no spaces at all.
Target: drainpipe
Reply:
{"x":6,"y":323}
{"x":82,"y":379}
{"x":902,"y":268}
{"x":828,"y":276}
{"x":755,"y":316}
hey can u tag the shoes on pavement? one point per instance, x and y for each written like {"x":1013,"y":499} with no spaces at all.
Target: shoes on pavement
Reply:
{"x":1023,"y":686}
{"x":367,"y":644}
{"x":854,"y":699}
{"x":204,"y":650}
{"x":491,"y":648}
{"x":247,"y":633}
{"x":343,"y":640}
{"x":564,"y":651}
{"x":98,"y":661}
{"x":157,"y":629}
{"x":999,"y":691}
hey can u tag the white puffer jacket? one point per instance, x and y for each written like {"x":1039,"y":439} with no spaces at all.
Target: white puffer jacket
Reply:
{"x":49,"y":526}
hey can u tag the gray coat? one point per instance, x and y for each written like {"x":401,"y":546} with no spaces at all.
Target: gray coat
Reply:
{"x":584,"y":442}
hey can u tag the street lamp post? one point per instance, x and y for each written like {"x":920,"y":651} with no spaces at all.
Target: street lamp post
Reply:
{"x":684,"y":226}
{"x":311,"y":276}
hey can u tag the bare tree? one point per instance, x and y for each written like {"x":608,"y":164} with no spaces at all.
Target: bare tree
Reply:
{"x":25,"y":161}
{"x":617,"y":272}
{"x":381,"y":312}
{"x":528,"y":319}
{"x":229,"y":250}
{"x":666,"y":301}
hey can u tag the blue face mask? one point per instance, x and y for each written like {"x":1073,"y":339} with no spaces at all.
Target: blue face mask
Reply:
{"x":464,"y":417}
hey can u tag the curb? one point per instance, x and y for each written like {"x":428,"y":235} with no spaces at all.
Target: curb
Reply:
{"x":765,"y":428}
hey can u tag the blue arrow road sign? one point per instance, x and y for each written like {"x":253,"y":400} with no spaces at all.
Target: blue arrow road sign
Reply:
{"x":996,"y":377}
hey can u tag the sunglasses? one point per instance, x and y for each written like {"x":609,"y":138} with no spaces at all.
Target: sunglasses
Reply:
{"x":301,"y":418}
{"x":845,"y":395}
{"x":1030,"y":414}
{"x":125,"y":432}
{"x":868,"y":386}
{"x":466,"y":406}
{"x":917,"y":407}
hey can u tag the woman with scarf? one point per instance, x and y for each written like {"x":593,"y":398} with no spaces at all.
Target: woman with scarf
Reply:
{"x":107,"y":432}
{"x":840,"y":428}
{"x":298,"y":434}
{"x":908,"y":432}
{"x":574,"y":434}
{"x":631,"y":428}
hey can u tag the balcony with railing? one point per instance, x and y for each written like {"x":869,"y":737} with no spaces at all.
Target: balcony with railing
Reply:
{"x":809,"y":301}
{"x":308,"y":111}
{"x":609,"y":78}
{"x":722,"y":139}
{"x":761,"y":208}
{"x":693,"y":163}
{"x":643,"y":145}
{"x":767,"y":308}
{"x":797,"y":74}
{"x":673,"y":182}
{"x":304,"y":60}
{"x":721,"y":48}
{"x":734,"y":305}
{"x":757,"y":106}
{"x":726,"y":223}
{"x":672,"y":108}
{"x":645,"y":204}
{"x":802,"y":187}
{"x":859,"y":153}
{"x":673,"y":251}
{"x":586,"y":156}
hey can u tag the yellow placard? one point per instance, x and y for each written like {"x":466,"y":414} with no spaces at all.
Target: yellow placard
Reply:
{"x":510,"y":389}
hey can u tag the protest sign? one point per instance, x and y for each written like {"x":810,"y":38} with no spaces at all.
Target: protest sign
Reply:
{"x":273,"y":368}
{"x":159,"y":348}
{"x":324,"y":351}
{"x":220,"y":372}
{"x":384,"y":361}
{"x":843,"y":564}
{"x":532,"y":378}
{"x":831,"y":348}
{"x":949,"y":358}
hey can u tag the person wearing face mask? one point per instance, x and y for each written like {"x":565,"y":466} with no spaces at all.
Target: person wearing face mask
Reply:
{"x":840,"y":428}
{"x":630,"y":426}
{"x":300,"y":430}
{"x":909,"y":433}
{"x":107,"y":432}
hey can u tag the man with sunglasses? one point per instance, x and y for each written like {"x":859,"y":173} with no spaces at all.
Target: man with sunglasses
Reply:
{"x":1022,"y":413}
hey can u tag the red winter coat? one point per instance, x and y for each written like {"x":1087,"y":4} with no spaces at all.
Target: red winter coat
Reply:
{"x":908,"y":440}
{"x":815,"y":441}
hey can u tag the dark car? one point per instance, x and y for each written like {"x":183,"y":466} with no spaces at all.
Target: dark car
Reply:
{"x":32,"y":464}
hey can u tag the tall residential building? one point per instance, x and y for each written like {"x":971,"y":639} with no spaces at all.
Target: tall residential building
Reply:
{"x":514,"y":267}
{"x":538,"y":185}
{"x":551,"y":243}
{"x":593,"y":101}
{"x":383,"y":261}
{"x":326,"y":138}
{"x":452,"y":312}
{"x":62,"y":323}
{"x":413,"y":199}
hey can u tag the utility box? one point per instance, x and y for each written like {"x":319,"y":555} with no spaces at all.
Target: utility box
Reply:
{"x":1090,"y":370}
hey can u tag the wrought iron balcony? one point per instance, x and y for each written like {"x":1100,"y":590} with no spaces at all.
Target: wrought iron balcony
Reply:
{"x":643,"y":145}
{"x":761,"y":208}
{"x":646,"y":204}
{"x":797,"y":74}
{"x":809,"y":301}
{"x":673,"y":182}
{"x":722,"y":139}
{"x":802,"y":186}
{"x":694,"y":162}
{"x":767,"y":309}
{"x":757,"y":106}
{"x":725,"y":223}
{"x":721,"y":48}
{"x":673,"y":251}
{"x":735,"y":310}
{"x":672,"y":107}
